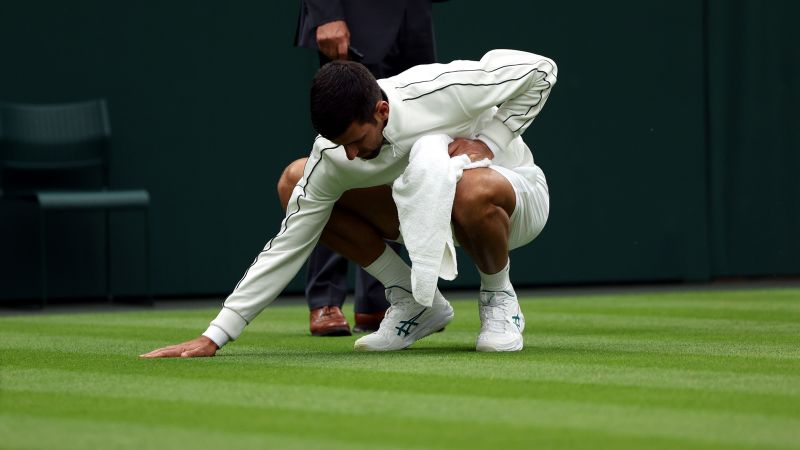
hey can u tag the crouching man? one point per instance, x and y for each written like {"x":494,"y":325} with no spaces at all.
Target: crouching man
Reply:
{"x":373,"y":133}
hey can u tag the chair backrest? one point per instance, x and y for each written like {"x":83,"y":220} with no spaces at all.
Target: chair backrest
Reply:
{"x":61,"y":146}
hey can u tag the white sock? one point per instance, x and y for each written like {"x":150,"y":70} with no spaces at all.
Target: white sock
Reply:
{"x":390,"y":270}
{"x":499,"y":281}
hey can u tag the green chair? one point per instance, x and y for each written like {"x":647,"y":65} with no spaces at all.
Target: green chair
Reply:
{"x":56,"y":156}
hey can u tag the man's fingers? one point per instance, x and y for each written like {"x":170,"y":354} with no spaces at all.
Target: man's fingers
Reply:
{"x":199,"y":351}
{"x":153,"y":353}
{"x":173,"y":351}
{"x":199,"y":346}
{"x":329,"y":50}
{"x":476,"y":150}
{"x":162,"y":353}
{"x":341,"y":47}
{"x":453,"y":147}
{"x":333,"y":38}
{"x":457,"y":148}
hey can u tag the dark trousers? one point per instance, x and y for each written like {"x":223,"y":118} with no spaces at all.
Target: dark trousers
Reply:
{"x":326,"y":282}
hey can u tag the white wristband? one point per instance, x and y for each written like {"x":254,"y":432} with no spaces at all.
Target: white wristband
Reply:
{"x":217,"y":335}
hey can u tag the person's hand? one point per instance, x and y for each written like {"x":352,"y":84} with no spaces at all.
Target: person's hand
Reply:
{"x":199,"y":346}
{"x":476,"y":149}
{"x":333,"y":39}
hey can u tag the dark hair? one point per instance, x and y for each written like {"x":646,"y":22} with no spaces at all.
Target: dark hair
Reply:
{"x":342,"y":92}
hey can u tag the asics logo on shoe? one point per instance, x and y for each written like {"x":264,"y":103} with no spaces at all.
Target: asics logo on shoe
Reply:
{"x":405,"y":325}
{"x":516,"y":319}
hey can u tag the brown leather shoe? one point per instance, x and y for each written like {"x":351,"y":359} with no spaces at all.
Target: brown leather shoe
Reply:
{"x":368,"y":322}
{"x":328,"y":321}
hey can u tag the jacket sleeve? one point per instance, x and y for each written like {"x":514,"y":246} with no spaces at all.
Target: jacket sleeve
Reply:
{"x":282,"y":258}
{"x":519,"y":82}
{"x":323,"y":11}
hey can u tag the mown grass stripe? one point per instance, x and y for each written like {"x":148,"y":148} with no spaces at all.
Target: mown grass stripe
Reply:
{"x":421,"y":362}
{"x":576,"y":373}
{"x":539,"y":340}
{"x":655,"y":394}
{"x":415,"y":433}
{"x":715,"y":427}
{"x":550,"y":321}
{"x":23,"y":431}
{"x":775,"y":299}
{"x":780,"y":304}
{"x":672,"y":344}
{"x":728,"y":327}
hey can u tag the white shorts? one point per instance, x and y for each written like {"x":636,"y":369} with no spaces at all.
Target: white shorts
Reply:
{"x":533,"y":203}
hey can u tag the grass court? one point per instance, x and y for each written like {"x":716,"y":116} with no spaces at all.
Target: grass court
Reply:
{"x":679,"y":370}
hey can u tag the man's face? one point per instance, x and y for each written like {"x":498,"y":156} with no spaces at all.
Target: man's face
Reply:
{"x":364,"y":140}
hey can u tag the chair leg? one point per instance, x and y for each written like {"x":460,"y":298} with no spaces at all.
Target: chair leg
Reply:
{"x":109,"y":294}
{"x":43,"y":256}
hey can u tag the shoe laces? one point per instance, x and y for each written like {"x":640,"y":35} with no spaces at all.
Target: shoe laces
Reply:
{"x":496,"y":312}
{"x":398,"y":305}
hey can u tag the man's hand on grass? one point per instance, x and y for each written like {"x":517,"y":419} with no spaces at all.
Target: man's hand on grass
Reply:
{"x":197,"y":347}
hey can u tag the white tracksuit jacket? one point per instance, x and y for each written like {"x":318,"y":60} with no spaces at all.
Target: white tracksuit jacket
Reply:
{"x":456,"y":99}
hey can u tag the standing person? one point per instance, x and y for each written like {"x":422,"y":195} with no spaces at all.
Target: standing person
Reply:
{"x":374,"y":134}
{"x":388,"y":37}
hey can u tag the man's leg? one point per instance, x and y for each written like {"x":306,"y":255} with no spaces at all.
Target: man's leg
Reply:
{"x":326,"y":279}
{"x":326,"y":289}
{"x":370,"y":300}
{"x":482,"y":209}
{"x":359,"y":224}
{"x":360,"y":221}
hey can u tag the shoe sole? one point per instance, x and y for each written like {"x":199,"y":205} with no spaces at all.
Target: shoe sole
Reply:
{"x":333,"y":332}
{"x":433,"y":327}
{"x":511,"y":347}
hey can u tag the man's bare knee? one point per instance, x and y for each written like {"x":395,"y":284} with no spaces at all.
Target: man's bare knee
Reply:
{"x":478,"y":195}
{"x":289,"y":178}
{"x":481,"y":216}
{"x":470,"y":201}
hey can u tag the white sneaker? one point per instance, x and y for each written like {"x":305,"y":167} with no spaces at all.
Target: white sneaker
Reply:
{"x":502,"y":322}
{"x":406,"y":322}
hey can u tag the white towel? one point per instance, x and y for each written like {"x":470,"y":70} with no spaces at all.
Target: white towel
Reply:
{"x":424,"y":197}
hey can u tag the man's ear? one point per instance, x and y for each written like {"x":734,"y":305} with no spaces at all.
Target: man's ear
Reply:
{"x":382,"y":110}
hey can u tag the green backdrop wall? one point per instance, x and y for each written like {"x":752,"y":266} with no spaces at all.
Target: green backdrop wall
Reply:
{"x":670,"y":143}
